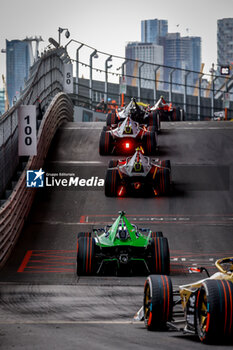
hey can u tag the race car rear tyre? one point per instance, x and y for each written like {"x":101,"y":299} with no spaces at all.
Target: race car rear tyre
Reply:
{"x":105,"y":143}
{"x":166,"y":164}
{"x":214,"y":314}
{"x":160,"y":256}
{"x":84,"y":234}
{"x":151,"y":129}
{"x":154,"y":120}
{"x":182,"y":115}
{"x":165,"y":181}
{"x":106,"y":128}
{"x":157,"y":234}
{"x":113,"y":163}
{"x":112,"y":180}
{"x":176,"y":115}
{"x":149,"y":143}
{"x":85,"y":256}
{"x":158,"y":301}
{"x":111,"y":119}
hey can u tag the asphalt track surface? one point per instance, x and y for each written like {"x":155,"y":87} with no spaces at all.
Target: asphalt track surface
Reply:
{"x":44,"y":305}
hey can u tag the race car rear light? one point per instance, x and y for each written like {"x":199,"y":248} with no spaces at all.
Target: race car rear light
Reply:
{"x":137,"y":185}
{"x":127,"y":145}
{"x":121,"y":191}
{"x":156,"y":193}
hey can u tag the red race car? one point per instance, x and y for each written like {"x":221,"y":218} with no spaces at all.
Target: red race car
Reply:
{"x":167,"y":112}
{"x":124,"y":137}
{"x":138,"y":175}
{"x":138,"y":112}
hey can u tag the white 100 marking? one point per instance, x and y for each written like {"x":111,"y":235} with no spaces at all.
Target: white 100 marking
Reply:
{"x":28,"y":131}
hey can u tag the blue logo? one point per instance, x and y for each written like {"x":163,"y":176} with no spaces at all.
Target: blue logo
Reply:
{"x":35,"y":178}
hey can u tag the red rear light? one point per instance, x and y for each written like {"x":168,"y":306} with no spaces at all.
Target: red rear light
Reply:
{"x":137,"y":185}
{"x":121,"y":191}
{"x":127,"y":145}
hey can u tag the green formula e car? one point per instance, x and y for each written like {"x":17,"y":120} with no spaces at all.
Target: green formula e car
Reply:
{"x":122,"y":248}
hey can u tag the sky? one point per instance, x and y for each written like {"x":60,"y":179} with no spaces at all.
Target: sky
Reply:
{"x":108,"y":25}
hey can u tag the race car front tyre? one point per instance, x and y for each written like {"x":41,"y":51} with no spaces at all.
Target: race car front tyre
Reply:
{"x":112,"y":180}
{"x":105,"y":143}
{"x":111,"y":119}
{"x":160,"y":256}
{"x":214,"y":313}
{"x":149,"y":143}
{"x":156,"y":234}
{"x":85,"y":256}
{"x":158,"y":301}
{"x":84,"y":234}
{"x":165,"y":181}
{"x":113,"y":163}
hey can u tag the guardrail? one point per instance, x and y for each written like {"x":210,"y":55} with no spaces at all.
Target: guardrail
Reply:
{"x":195,"y":107}
{"x":45,"y":81}
{"x":15,"y":210}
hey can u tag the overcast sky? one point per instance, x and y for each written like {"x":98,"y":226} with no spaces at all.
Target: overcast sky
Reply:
{"x":108,"y":24}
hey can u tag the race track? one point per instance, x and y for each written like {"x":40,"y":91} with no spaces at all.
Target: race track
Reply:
{"x":43,"y":302}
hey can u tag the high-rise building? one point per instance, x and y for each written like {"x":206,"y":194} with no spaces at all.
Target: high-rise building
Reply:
{"x":2,"y":101}
{"x":184,"y":53}
{"x":19,"y":58}
{"x":147,"y":52}
{"x":169,"y":49}
{"x":153,"y":29}
{"x":225,"y":41}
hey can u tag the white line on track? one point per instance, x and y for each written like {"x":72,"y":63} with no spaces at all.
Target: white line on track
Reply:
{"x":196,"y":128}
{"x":66,"y":322}
{"x":82,"y":128}
{"x":76,"y":162}
{"x":61,"y":223}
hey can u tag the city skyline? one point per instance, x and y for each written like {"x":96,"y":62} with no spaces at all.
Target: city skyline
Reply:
{"x":121,"y":23}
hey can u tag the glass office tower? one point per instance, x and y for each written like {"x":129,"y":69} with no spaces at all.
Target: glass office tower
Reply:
{"x":18,"y":61}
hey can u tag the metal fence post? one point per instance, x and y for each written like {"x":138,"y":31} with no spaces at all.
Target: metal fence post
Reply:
{"x":185,"y":91}
{"x":199,"y":98}
{"x":90,"y":80}
{"x":155,"y":86}
{"x":139,"y":83}
{"x":212,"y":97}
{"x":77,"y":68}
{"x":170,"y":84}
{"x":109,"y":59}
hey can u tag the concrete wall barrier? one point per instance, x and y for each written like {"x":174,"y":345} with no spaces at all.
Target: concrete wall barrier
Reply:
{"x":15,"y":210}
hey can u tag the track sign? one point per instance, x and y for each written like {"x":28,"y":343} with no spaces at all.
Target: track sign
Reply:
{"x":68,"y":78}
{"x":27,"y":131}
{"x":225,"y":70}
{"x":123,"y":85}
